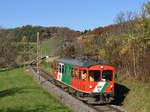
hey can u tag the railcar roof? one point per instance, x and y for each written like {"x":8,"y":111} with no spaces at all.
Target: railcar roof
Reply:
{"x":81,"y":62}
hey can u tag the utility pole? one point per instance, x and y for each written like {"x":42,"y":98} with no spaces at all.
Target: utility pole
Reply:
{"x":23,"y":40}
{"x":24,"y":53}
{"x":37,"y":64}
{"x":29,"y":51}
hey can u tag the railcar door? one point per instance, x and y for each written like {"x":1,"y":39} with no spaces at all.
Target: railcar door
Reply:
{"x":75,"y":77}
{"x":82,"y":79}
{"x":67,"y":74}
{"x":60,"y":69}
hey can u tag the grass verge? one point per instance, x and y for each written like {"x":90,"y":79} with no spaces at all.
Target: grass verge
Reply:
{"x":48,"y":66}
{"x":138,"y":97}
{"x":19,"y":93}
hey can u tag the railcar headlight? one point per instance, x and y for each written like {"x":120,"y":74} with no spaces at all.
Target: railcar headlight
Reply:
{"x":102,"y":67}
{"x":111,"y":86}
{"x":90,"y":86}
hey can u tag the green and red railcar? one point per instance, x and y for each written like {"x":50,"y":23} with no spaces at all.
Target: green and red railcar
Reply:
{"x":89,"y":78}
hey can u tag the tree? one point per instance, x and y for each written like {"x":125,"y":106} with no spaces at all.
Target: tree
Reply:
{"x":145,"y":23}
{"x":7,"y":53}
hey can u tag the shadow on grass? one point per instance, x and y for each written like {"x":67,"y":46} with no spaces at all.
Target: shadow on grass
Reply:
{"x":13,"y":91}
{"x":4,"y":70}
{"x":33,"y":107}
{"x":38,"y":108}
{"x":120,"y":94}
{"x":12,"y":68}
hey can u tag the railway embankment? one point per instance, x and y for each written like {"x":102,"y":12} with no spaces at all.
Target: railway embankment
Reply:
{"x":134,"y":95}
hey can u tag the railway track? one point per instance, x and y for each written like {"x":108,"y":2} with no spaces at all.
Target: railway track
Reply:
{"x":97,"y":108}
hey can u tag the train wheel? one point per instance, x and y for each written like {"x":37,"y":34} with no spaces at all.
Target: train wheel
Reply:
{"x":104,"y":98}
{"x":107,"y":100}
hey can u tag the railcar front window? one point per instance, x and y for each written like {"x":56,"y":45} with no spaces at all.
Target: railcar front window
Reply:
{"x":94,"y":75}
{"x":107,"y":75}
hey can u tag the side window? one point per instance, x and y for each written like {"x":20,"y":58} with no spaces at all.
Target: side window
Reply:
{"x":62,"y":68}
{"x":58,"y":68}
{"x":84,"y":75}
{"x":76,"y":73}
{"x":80,"y":73}
{"x":65,"y":70}
{"x":72,"y":72}
{"x":107,"y":75}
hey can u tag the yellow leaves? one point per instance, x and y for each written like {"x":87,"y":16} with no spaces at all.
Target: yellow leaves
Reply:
{"x":130,"y":39}
{"x":110,"y":41}
{"x":133,"y":40}
{"x":148,"y":43}
{"x":102,"y":53}
{"x":90,"y":47}
{"x":124,"y":50}
{"x":23,"y":39}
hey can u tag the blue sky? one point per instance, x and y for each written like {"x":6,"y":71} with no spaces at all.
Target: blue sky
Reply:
{"x":75,"y":14}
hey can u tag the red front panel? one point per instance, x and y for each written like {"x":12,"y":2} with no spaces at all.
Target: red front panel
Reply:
{"x":94,"y":84}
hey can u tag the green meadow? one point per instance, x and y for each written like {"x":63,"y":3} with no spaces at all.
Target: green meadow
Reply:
{"x":48,"y":47}
{"x":20,"y":93}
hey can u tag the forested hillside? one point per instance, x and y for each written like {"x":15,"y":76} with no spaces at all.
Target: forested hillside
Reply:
{"x":30,"y":32}
{"x":126,"y":44}
{"x":18,"y":44}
